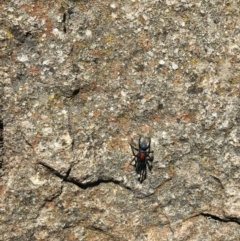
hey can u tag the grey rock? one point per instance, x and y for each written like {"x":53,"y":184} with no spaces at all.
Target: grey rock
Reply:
{"x":80,"y":81}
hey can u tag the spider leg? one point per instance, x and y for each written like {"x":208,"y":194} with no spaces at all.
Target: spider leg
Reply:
{"x":134,"y":148}
{"x":148,"y":152}
{"x":149,"y":165}
{"x":134,"y":158}
{"x":149,"y":158}
{"x":143,"y":173}
{"x":139,"y":141}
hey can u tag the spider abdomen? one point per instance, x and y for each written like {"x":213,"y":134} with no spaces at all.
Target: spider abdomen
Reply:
{"x":142,"y":156}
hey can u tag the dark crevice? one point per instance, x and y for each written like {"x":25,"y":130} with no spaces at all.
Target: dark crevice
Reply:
{"x":53,"y":171}
{"x":169,"y":222}
{"x":64,"y":18}
{"x":100,"y":230}
{"x":218,"y":180}
{"x":64,"y":22}
{"x":66,"y":178}
{"x":157,"y":188}
{"x":72,"y":144}
{"x":75,"y":92}
{"x":1,"y":130}
{"x":96,"y":229}
{"x":28,"y":143}
{"x":92,"y":184}
{"x":56,"y":195}
{"x":1,"y":143}
{"x":67,"y":174}
{"x":225,"y":220}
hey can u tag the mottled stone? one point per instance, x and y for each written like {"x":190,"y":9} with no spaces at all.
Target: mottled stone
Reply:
{"x":80,"y":81}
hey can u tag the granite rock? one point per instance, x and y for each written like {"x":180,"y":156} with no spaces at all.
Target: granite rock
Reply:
{"x":80,"y":81}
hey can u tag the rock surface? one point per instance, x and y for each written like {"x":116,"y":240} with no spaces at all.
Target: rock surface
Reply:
{"x":80,"y":81}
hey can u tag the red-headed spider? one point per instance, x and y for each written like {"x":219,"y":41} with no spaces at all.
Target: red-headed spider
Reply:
{"x":142,"y":158}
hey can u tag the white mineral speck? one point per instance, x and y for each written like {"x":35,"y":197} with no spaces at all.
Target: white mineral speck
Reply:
{"x":151,"y":191}
{"x":114,"y":15}
{"x":22,"y":58}
{"x":164,"y":134}
{"x":44,"y":117}
{"x":61,"y":59}
{"x":139,"y":82}
{"x":150,"y":53}
{"x":170,"y":2}
{"x":47,"y":130}
{"x":129,"y":16}
{"x":145,"y":17}
{"x":36,"y":180}
{"x":113,"y":5}
{"x":88,"y":32}
{"x":174,"y":65}
{"x":66,"y":138}
{"x":225,"y":124}
{"x":162,"y":62}
{"x":55,"y":31}
{"x":210,"y":50}
{"x":123,"y":93}
{"x":64,"y":112}
{"x":46,"y":62}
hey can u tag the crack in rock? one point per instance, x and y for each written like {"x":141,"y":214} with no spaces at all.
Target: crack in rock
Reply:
{"x":100,"y":230}
{"x":225,"y":220}
{"x":66,"y":178}
{"x":56,"y":195}
{"x":218,"y":181}
{"x":1,"y":143}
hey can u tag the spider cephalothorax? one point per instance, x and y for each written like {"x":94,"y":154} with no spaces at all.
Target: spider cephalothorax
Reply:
{"x":142,"y":158}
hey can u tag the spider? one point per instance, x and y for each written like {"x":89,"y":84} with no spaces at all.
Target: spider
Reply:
{"x":142,"y":158}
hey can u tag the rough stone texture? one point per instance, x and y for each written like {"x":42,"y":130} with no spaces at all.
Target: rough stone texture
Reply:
{"x":80,"y":80}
